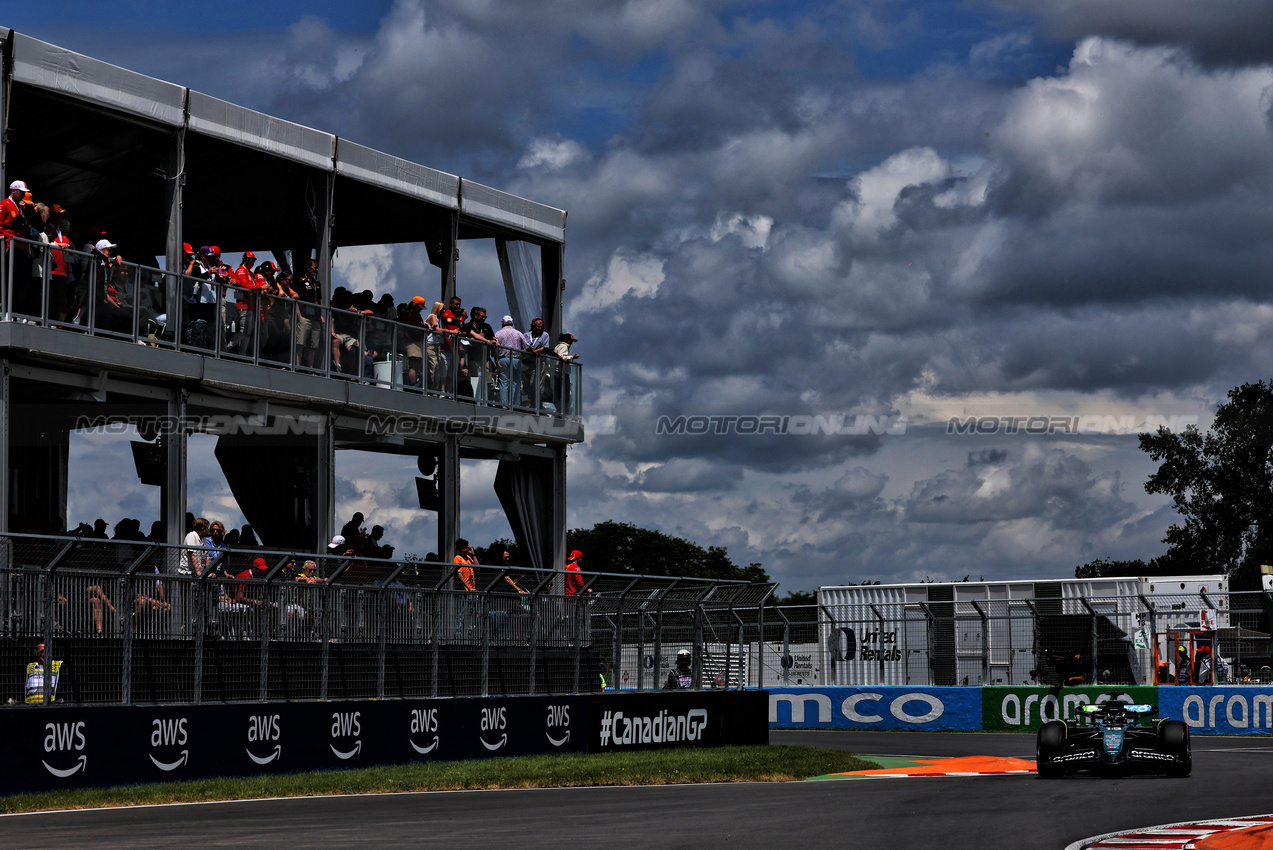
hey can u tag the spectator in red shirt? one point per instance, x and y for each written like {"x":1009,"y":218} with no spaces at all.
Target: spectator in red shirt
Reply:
{"x":450,"y":320}
{"x":59,"y":270}
{"x":574,"y":577}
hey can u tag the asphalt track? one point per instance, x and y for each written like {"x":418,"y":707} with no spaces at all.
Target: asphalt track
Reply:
{"x":1231,"y":777}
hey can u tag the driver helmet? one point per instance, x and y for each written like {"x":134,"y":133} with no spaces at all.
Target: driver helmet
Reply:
{"x":683,"y":658}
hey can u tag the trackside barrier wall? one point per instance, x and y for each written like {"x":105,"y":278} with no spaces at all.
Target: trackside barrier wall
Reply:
{"x":923,"y":709}
{"x":1206,"y":710}
{"x":96,"y":746}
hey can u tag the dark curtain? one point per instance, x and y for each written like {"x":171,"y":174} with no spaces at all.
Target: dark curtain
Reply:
{"x":273,"y":480}
{"x":524,"y":488}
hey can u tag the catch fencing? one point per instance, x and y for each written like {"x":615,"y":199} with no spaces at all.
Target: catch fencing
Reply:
{"x":131,"y":621}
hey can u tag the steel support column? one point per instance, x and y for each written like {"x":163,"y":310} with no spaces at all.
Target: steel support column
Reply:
{"x":176,"y":445}
{"x":449,"y":498}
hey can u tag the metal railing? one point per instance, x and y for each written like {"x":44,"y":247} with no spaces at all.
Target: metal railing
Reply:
{"x":216,"y":318}
{"x":131,"y":621}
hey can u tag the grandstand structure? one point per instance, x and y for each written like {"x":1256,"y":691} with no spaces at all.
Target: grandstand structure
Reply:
{"x":152,"y":161}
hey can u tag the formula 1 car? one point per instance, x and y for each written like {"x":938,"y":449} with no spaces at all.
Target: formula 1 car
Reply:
{"x":1111,"y":740}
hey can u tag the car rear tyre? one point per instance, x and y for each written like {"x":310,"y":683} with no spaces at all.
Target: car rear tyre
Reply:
{"x":1173,"y":733}
{"x":1051,"y":735}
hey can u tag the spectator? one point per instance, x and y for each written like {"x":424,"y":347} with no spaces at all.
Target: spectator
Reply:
{"x":435,"y":340}
{"x":537,"y":343}
{"x":248,"y":307}
{"x":39,"y":262}
{"x":468,"y":559}
{"x":247,"y":538}
{"x":681,"y":678}
{"x":13,"y":223}
{"x":373,"y":547}
{"x":309,"y":320}
{"x":59,"y":269}
{"x":509,"y":361}
{"x":562,"y":350}
{"x":345,"y":325}
{"x":479,"y":336}
{"x":414,"y":341}
{"x":198,"y":301}
{"x":574,"y":576}
{"x":196,"y":556}
{"x":113,"y":313}
{"x":450,"y":320}
{"x":242,"y":321}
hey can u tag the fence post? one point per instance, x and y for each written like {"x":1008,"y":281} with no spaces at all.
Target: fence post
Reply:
{"x":698,"y":645}
{"x":128,"y":593}
{"x":482,"y":616}
{"x":879,"y":643}
{"x":1153,"y":635}
{"x":616,"y":644}
{"x":786,"y":661}
{"x":930,"y":628}
{"x":640,"y":681}
{"x":384,"y":641}
{"x":1095,"y":645}
{"x":985,"y":641}
{"x":534,"y":639}
{"x":436,"y":639}
{"x":1034,"y":649}
{"x":831,"y":647}
{"x":576,"y":627}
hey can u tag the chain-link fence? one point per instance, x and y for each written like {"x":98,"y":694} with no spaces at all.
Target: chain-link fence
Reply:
{"x":135,"y":621}
{"x":123,"y":621}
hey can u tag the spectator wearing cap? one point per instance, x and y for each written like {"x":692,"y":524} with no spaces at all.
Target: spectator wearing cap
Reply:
{"x":12,"y":220}
{"x":113,"y":314}
{"x":250,"y":285}
{"x":198,"y":301}
{"x":413,"y":340}
{"x":562,"y":350}
{"x":14,"y":223}
{"x":480,"y":336}
{"x":508,"y":361}
{"x":309,"y":319}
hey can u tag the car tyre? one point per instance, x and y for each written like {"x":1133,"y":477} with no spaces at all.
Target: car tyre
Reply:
{"x":1049,"y":743}
{"x":1174,"y":736}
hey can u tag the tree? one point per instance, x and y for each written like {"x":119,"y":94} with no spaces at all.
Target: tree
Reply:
{"x":1221,"y":484}
{"x":1163,"y":565}
{"x":620,"y":547}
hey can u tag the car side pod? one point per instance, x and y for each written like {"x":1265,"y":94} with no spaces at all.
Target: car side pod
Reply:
{"x":1173,"y":736}
{"x":1049,"y":743}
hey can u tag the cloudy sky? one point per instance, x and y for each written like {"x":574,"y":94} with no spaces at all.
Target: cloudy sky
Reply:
{"x":907,"y":211}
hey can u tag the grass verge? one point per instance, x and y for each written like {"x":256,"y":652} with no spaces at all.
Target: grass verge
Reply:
{"x":774,"y":763}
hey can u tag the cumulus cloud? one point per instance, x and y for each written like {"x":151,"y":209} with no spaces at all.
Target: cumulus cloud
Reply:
{"x":758,"y":228}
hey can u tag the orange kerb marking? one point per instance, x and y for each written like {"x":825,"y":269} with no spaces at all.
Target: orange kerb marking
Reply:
{"x":962,"y":764}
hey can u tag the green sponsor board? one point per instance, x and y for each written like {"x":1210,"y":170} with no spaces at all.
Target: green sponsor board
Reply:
{"x":1025,"y":709}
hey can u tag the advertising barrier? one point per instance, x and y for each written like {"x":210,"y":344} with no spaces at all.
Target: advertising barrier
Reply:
{"x":1025,"y":709}
{"x":927,"y":709}
{"x":1220,"y":710}
{"x":93,"y":746}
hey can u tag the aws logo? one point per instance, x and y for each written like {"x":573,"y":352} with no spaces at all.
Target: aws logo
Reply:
{"x":558,"y":717}
{"x":65,"y":738}
{"x":169,"y":733}
{"x":346,"y":724}
{"x":263,"y":729}
{"x":494,"y":720}
{"x":423,"y":722}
